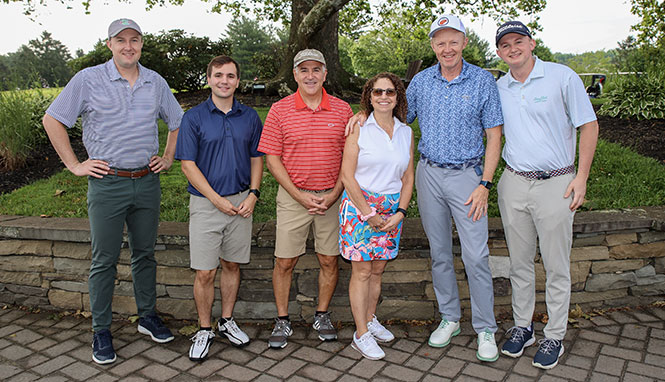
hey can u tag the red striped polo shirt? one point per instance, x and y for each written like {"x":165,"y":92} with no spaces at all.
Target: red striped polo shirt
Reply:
{"x":310,"y":142}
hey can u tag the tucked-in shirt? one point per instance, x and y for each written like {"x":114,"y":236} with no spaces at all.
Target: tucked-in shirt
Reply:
{"x":310,"y":142}
{"x":119,"y":121}
{"x":220,"y":144}
{"x":452,"y":115}
{"x":541,"y":116}
{"x":382,"y":160}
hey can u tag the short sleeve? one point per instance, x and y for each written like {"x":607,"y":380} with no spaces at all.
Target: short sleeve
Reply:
{"x":169,"y":108}
{"x":412,"y":101}
{"x":186,"y":147}
{"x":492,"y":115}
{"x":578,"y":106}
{"x":70,"y":103}
{"x":272,"y":139}
{"x":257,"y":129}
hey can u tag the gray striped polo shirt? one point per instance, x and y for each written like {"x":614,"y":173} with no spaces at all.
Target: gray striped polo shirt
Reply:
{"x":119,"y":121}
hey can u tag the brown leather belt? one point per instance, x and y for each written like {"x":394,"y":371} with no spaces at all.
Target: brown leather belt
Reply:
{"x":129,"y":174}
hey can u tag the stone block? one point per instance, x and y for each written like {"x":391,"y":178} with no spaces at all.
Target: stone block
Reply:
{"x":249,"y":310}
{"x":588,"y":297}
{"x":638,"y":251}
{"x":27,"y":263}
{"x":499,"y":252}
{"x":579,"y":272}
{"x":649,"y":280}
{"x":180,"y":292}
{"x":25,"y":278}
{"x":126,"y":288}
{"x":65,"y":299}
{"x":81,"y":251}
{"x":32,"y":301}
{"x":648,"y":290}
{"x":620,"y":239}
{"x":406,"y":309}
{"x":307,"y":262}
{"x":407,"y":265}
{"x":651,"y":237}
{"x":124,"y":272}
{"x":496,"y":243}
{"x":259,"y":290}
{"x":407,"y":276}
{"x":173,"y":257}
{"x":25,"y":247}
{"x":7,"y":297}
{"x":126,"y":304}
{"x":611,"y":266}
{"x":501,"y":286}
{"x":646,"y":271}
{"x":71,"y":286}
{"x":588,"y":241}
{"x":27,"y":290}
{"x":659,"y":264}
{"x":71,"y":266}
{"x":589,"y":253}
{"x":499,"y":266}
{"x":607,"y":281}
{"x":179,"y":309}
{"x":175,"y":276}
{"x":403,"y":289}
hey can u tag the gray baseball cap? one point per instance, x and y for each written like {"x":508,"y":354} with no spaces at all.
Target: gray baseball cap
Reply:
{"x":120,"y":25}
{"x":308,"y":55}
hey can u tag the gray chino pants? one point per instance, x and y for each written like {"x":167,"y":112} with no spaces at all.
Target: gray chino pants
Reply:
{"x":441,"y":195}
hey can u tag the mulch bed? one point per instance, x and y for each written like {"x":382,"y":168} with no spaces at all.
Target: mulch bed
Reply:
{"x":645,"y":137}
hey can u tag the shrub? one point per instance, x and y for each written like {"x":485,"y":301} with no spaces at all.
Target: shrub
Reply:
{"x":640,"y":95}
{"x":21,"y":113}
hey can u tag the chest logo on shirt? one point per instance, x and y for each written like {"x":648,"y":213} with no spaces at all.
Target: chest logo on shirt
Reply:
{"x":331,"y":125}
{"x":540,"y":99}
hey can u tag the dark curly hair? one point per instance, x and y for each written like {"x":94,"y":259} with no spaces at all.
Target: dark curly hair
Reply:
{"x":366,"y":99}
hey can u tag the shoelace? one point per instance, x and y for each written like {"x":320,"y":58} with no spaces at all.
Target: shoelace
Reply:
{"x":231,"y":326}
{"x":324,"y":321}
{"x":547,"y":345}
{"x":443,"y":323}
{"x":202,"y":336}
{"x":516,"y":334}
{"x":280,"y":327}
{"x":488,"y":336}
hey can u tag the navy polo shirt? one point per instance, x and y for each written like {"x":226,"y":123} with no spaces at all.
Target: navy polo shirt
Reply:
{"x":220,"y":144}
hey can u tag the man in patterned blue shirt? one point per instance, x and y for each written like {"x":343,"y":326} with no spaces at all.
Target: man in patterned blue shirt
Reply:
{"x":119,"y":103}
{"x":456,"y":104}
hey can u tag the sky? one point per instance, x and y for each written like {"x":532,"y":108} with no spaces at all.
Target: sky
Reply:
{"x":569,"y":26}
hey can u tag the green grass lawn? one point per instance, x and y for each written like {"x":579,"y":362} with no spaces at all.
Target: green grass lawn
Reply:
{"x":620,"y":178}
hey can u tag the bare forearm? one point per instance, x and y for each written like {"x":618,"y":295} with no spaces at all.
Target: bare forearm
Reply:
{"x":169,"y":149}
{"x":492,"y":152}
{"x":197,"y":179}
{"x":57,"y":134}
{"x":256,"y":172}
{"x":588,"y":141}
{"x":278,"y":171}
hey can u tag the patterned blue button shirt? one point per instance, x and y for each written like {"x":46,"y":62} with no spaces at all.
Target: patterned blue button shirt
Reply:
{"x":453,"y":115}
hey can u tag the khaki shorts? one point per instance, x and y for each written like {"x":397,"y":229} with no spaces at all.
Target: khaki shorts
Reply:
{"x":293,"y":223}
{"x":214,"y":234}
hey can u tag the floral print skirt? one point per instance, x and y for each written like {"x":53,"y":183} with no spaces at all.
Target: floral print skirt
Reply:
{"x":358,"y":241}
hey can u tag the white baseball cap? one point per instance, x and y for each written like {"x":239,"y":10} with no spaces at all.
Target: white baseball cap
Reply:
{"x":446,"y":21}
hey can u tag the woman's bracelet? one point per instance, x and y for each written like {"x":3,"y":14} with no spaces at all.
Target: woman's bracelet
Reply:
{"x":402,"y":210}
{"x":365,"y":218}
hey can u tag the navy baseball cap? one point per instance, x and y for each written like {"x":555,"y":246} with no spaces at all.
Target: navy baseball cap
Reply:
{"x":511,"y":27}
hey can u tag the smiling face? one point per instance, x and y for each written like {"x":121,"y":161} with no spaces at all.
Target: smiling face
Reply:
{"x":448,"y":45}
{"x":223,"y":80}
{"x":126,"y":48}
{"x":310,"y":76}
{"x":516,"y":50}
{"x":383,"y":103}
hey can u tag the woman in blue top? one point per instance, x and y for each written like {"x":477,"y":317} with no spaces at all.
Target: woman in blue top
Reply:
{"x":377,"y":172}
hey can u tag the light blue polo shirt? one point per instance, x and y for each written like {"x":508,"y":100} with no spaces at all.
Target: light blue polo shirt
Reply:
{"x":541,"y":116}
{"x":453,"y":115}
{"x":119,"y":121}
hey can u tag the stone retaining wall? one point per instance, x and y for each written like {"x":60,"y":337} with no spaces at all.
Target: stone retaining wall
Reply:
{"x":618,"y":259}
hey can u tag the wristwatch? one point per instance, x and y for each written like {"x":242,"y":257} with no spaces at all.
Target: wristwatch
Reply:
{"x":487,"y":184}
{"x":256,"y":192}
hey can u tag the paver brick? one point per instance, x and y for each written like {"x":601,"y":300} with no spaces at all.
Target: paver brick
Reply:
{"x":319,"y":373}
{"x":286,"y":367}
{"x":267,"y":378}
{"x":419,"y":363}
{"x":622,"y":317}
{"x":598,"y":377}
{"x":401,"y":373}
{"x":351,"y":378}
{"x":653,"y":359}
{"x":631,"y":344}
{"x":133,"y":348}
{"x":53,"y":365}
{"x":609,"y":365}
{"x":182,"y":363}
{"x":395,"y":356}
{"x":23,"y":377}
{"x":79,"y":371}
{"x":406,"y":345}
{"x":158,"y":372}
{"x":7,"y":371}
{"x":518,"y":378}
{"x":312,"y":355}
{"x":658,"y":333}
{"x":42,"y":344}
{"x":636,"y":332}
{"x":484,"y":372}
{"x":4,"y":343}
{"x":340,"y":363}
{"x":579,"y":361}
{"x":367,"y":368}
{"x":629,"y":377}
{"x":234,"y":355}
{"x":644,"y":317}
{"x":160,"y":354}
{"x":9,"y":329}
{"x":33,"y":360}
{"x":207,"y":367}
{"x":644,"y":369}
{"x":15,"y":352}
{"x":569,"y":372}
{"x":62,"y":348}
{"x":129,"y":366}
{"x":261,"y":363}
{"x":656,"y":346}
{"x":25,"y":336}
{"x":618,"y":352}
{"x":448,"y":367}
{"x":597,"y":337}
{"x":524,"y":367}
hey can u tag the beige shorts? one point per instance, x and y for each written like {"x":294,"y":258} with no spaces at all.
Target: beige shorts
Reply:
{"x":293,"y":224}
{"x":214,"y":234}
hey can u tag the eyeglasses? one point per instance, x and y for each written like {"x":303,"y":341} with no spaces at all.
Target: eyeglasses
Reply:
{"x":378,"y":92}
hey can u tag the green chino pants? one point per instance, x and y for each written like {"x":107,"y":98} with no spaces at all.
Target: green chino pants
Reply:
{"x":114,"y":201}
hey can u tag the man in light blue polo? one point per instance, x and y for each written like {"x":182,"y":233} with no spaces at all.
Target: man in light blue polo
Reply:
{"x":119,"y":103}
{"x":456,"y":104}
{"x":544,"y":106}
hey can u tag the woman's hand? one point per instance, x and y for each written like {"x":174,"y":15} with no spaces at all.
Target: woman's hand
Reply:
{"x":392,"y":222}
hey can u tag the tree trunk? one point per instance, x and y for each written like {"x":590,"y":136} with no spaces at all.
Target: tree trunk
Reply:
{"x":314,"y":24}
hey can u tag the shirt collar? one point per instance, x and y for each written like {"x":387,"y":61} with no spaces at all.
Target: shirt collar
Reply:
{"x":235,"y":107}
{"x":538,"y":71}
{"x":324,"y":105}
{"x":372,"y":120}
{"x":463,"y":74}
{"x":115,"y":75}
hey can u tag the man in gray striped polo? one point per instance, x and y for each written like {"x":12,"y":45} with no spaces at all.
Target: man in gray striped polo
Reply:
{"x":119,"y":102}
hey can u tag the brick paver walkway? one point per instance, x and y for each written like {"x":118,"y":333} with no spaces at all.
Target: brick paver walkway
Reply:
{"x":619,"y":346}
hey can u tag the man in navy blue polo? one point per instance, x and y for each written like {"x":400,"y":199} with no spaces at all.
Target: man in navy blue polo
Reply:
{"x":217,"y":147}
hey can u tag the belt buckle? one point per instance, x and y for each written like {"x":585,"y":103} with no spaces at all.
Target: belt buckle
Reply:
{"x":542,"y":175}
{"x":134,"y":175}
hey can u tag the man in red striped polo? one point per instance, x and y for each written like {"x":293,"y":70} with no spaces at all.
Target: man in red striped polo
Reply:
{"x":303,"y":139}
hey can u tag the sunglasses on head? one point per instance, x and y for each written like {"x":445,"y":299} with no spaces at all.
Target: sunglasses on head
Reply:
{"x":389,"y":92}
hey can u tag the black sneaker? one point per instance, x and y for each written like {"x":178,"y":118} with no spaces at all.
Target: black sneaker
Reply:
{"x":325,"y":328}
{"x":280,"y":333}
{"x":102,"y":347}
{"x":153,"y":326}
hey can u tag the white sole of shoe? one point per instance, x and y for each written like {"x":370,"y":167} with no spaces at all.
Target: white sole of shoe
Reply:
{"x":547,"y":367}
{"x":436,"y":345}
{"x":353,"y":345}
{"x":103,"y":362}
{"x":526,"y":345}
{"x":147,"y":332}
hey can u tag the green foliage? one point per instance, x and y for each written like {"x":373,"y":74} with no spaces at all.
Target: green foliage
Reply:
{"x":181,"y":58}
{"x":477,"y":51}
{"x":640,"y":96}
{"x":21,"y":129}
{"x":650,"y":29}
{"x":542,"y":51}
{"x":589,"y":62}
{"x":258,"y":50}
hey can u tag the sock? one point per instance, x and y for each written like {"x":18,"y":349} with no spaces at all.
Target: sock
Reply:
{"x":206,"y":328}
{"x":284,"y":317}
{"x":224,"y":320}
{"x":320,"y":312}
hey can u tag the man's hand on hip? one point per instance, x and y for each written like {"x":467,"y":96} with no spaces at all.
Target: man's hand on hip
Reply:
{"x":91,"y":167}
{"x":158,"y":164}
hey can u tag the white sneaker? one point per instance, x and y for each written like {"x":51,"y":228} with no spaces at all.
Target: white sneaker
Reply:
{"x":380,"y":333}
{"x":487,"y":350}
{"x":367,"y":346}
{"x":442,"y":335}
{"x":231,"y":330}
{"x":199,"y":349}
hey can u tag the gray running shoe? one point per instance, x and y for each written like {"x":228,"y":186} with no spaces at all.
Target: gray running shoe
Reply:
{"x":325,"y":328}
{"x":279,"y":334}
